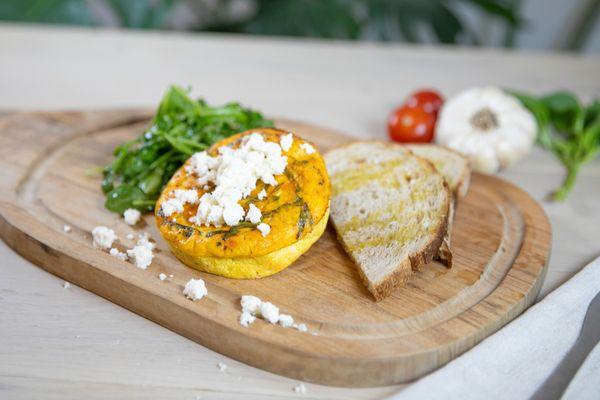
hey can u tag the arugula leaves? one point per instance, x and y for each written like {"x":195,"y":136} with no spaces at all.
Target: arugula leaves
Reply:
{"x":180,"y":128}
{"x":568,"y":129}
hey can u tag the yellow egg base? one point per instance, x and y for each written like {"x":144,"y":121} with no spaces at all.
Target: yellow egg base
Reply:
{"x":254,"y":267}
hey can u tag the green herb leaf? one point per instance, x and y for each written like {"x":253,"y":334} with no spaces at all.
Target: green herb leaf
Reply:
{"x":565,"y":111}
{"x":592,"y":112}
{"x":123,"y":197}
{"x":181,"y":127}
{"x":575,"y":139}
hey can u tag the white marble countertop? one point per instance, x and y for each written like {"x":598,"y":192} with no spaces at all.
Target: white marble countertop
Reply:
{"x":69,"y":343}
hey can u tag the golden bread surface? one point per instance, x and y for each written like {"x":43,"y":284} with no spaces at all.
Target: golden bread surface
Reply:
{"x":390,"y":211}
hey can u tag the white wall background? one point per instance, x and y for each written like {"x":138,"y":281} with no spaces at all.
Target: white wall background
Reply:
{"x":548,"y":18}
{"x":547,"y":23}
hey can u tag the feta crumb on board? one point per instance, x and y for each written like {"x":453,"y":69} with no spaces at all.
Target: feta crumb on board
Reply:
{"x":118,"y":254}
{"x":132,"y":216}
{"x":285,"y":320}
{"x":141,"y":255}
{"x":246,"y":319}
{"x":66,"y":285}
{"x":301,"y":388}
{"x":253,"y":307}
{"x":195,"y":289}
{"x":144,"y":240}
{"x":263,"y":228}
{"x":103,"y":237}
{"x":269,"y":312}
{"x":308,"y":148}
{"x":66,"y":228}
{"x":222,"y":367}
{"x":162,"y":276}
{"x":130,"y":236}
{"x":250,"y":304}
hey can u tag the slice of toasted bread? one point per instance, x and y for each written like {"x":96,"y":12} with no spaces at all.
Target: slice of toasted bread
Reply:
{"x":452,"y":165}
{"x":390,"y":210}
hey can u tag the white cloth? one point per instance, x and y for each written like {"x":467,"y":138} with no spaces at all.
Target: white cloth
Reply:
{"x":515,"y":361}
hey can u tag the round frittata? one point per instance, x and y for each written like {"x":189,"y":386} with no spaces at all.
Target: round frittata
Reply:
{"x":296,"y":210}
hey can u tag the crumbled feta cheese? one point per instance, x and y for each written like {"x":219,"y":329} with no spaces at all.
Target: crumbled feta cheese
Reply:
{"x":308,"y":148}
{"x":285,"y":320}
{"x":222,"y":367}
{"x":170,"y":276}
{"x":246,"y":319}
{"x":250,"y":304}
{"x":234,"y":173}
{"x":300,"y":388}
{"x":66,"y":285}
{"x":186,"y":196}
{"x":269,"y":312}
{"x":253,"y":215}
{"x":180,"y":198}
{"x":203,"y":165}
{"x":162,"y":276}
{"x":103,"y":237}
{"x":233,"y":214}
{"x":67,"y":228}
{"x":253,"y":307}
{"x":141,"y":256}
{"x":171,"y":206}
{"x":144,"y":240}
{"x":195,"y":289}
{"x":286,"y":141}
{"x":264,"y":229}
{"x":118,"y":254}
{"x":262,"y":194}
{"x":130,"y":236}
{"x":132,"y":216}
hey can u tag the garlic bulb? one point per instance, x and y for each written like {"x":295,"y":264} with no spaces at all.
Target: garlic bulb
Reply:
{"x":489,"y":126}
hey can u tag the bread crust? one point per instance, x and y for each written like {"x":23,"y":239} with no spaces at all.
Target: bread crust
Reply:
{"x":444,"y":255}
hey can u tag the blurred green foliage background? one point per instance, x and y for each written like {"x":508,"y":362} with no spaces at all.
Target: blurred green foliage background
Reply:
{"x":415,"y":21}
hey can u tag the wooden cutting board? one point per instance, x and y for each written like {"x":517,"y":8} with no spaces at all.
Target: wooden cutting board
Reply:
{"x":501,"y":242}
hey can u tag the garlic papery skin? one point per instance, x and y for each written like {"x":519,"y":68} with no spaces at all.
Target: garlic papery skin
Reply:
{"x":487,"y":125}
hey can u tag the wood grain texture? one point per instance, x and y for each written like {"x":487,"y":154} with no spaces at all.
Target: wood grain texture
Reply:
{"x":501,"y":245}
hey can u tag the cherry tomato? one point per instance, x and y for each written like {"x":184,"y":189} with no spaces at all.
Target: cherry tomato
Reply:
{"x":429,"y":100}
{"x":408,"y":124}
